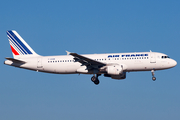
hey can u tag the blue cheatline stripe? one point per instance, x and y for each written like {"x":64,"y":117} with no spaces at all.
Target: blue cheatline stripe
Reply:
{"x":18,"y":42}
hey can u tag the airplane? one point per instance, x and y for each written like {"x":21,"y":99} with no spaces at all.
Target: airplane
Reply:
{"x":114,"y":65}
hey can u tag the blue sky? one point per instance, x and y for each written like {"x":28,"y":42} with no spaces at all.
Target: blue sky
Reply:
{"x":85,"y":27}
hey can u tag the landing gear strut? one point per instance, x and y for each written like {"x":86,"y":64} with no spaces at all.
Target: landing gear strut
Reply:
{"x":95,"y":79}
{"x":153,"y":78}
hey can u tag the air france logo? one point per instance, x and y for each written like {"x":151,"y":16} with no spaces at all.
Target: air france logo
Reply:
{"x":128,"y":55}
{"x":113,"y":56}
{"x":134,"y":55}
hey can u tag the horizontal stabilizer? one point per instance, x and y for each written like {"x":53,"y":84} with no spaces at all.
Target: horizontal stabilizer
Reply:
{"x":15,"y":60}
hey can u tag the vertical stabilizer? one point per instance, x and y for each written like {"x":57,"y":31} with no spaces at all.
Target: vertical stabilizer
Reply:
{"x":18,"y":46}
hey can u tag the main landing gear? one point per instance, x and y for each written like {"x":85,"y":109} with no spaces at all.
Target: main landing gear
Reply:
{"x":95,"y":79}
{"x":153,"y":78}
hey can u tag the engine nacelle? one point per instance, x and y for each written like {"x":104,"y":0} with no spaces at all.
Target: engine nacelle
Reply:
{"x":114,"y":70}
{"x":117,"y":77}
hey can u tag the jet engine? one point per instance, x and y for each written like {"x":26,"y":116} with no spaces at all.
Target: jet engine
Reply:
{"x":114,"y":70}
{"x":117,"y":77}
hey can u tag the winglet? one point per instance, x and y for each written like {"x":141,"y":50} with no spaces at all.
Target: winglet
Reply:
{"x":68,"y":52}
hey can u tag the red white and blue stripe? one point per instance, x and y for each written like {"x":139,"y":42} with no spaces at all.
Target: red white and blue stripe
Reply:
{"x":18,"y":45}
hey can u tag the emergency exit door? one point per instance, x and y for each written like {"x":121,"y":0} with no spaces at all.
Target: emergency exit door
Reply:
{"x":153,"y":58}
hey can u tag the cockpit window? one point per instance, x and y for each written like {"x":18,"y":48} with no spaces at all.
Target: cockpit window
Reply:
{"x":164,"y":57}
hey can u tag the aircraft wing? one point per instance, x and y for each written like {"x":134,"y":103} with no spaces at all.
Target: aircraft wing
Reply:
{"x":90,"y":63}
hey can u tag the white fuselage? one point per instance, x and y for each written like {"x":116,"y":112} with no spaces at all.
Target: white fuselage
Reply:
{"x":140,"y":61}
{"x":114,"y":65}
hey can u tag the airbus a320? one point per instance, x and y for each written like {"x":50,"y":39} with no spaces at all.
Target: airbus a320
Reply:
{"x":113,"y":65}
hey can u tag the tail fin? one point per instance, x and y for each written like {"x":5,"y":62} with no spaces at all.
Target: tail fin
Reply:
{"x":18,"y":46}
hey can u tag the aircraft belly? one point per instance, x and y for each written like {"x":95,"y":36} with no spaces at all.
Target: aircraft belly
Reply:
{"x":61,"y":68}
{"x":140,"y":66}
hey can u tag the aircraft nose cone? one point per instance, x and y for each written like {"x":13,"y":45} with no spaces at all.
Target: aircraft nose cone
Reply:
{"x":174,"y":63}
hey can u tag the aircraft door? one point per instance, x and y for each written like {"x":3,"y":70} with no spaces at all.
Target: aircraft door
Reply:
{"x":153,"y":58}
{"x":39,"y":63}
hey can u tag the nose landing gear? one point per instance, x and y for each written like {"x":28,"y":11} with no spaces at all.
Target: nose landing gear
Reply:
{"x":153,"y":78}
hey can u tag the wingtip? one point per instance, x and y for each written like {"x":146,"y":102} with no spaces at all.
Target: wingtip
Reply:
{"x":68,"y":52}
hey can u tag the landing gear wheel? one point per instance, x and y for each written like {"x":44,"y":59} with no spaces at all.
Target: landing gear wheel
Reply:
{"x":95,"y":80}
{"x":153,"y":78}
